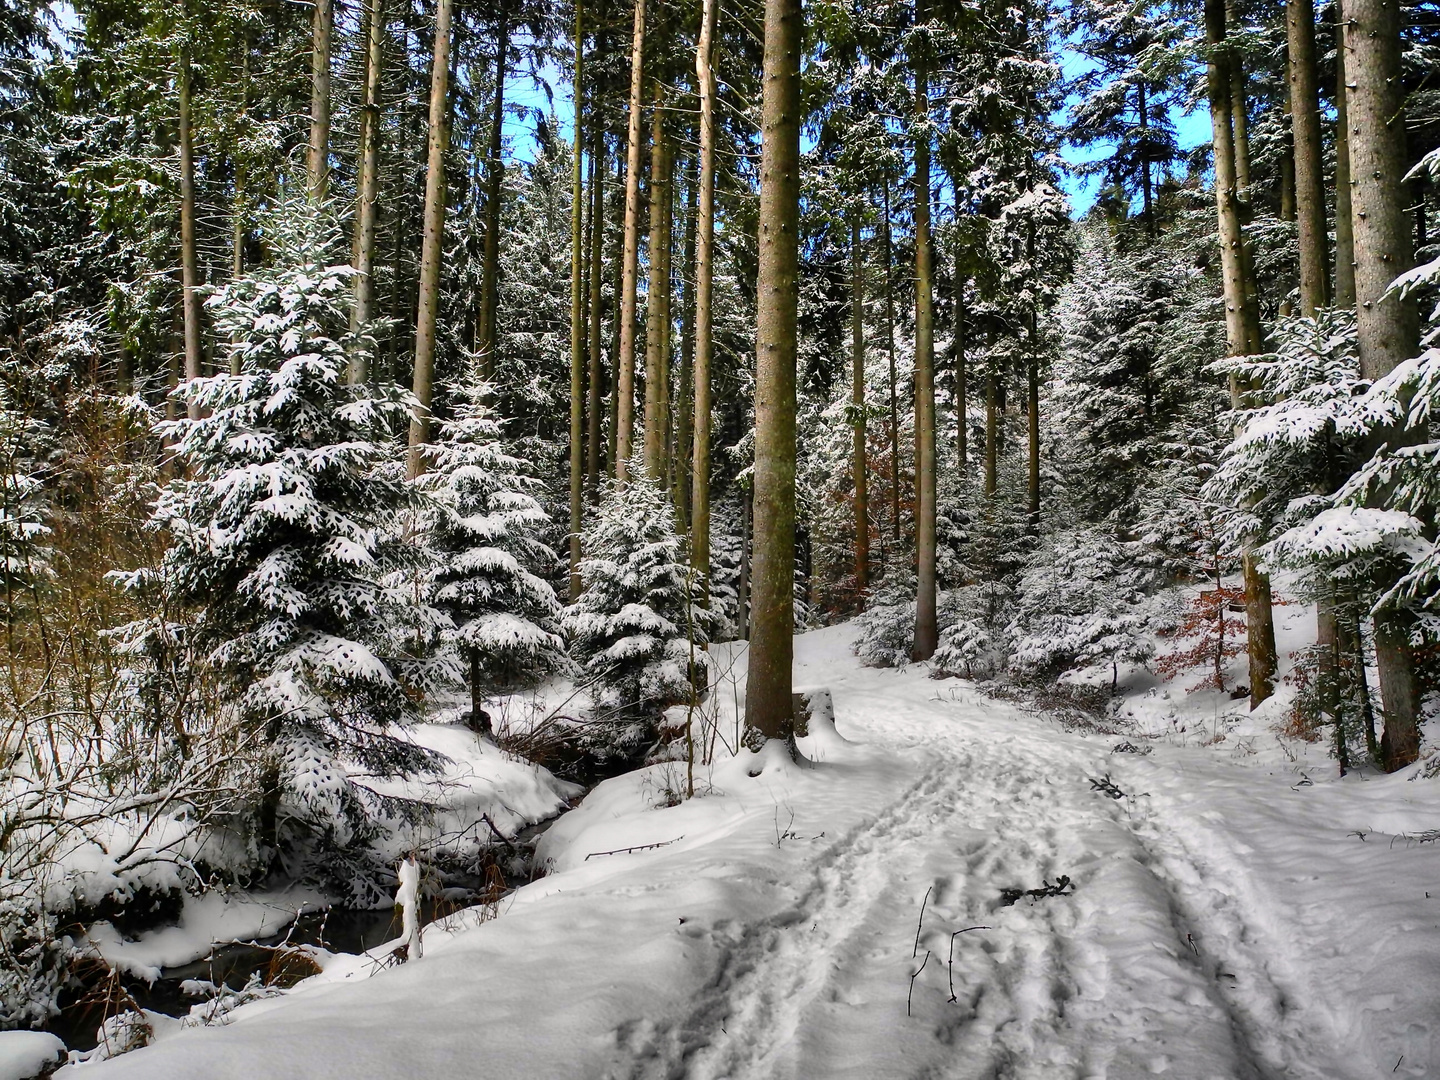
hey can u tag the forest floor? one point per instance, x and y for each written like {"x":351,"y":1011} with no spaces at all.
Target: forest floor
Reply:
{"x":1225,"y":916}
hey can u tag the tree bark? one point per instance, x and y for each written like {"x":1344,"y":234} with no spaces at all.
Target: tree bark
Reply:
{"x":1240,"y":114}
{"x":768,"y":708}
{"x":1032,"y":409}
{"x":680,"y":456}
{"x":322,"y":23}
{"x":962,"y":432}
{"x":1344,"y":226}
{"x":189,"y":256}
{"x":577,"y":310}
{"x":597,"y":244}
{"x":927,"y":632}
{"x":857,"y":405}
{"x":657,"y":359}
{"x":625,"y":389}
{"x":704,"y":292}
{"x":433,"y":242}
{"x":1309,"y":177}
{"x":368,"y":191}
{"x":494,"y":189}
{"x":894,"y":398}
{"x":992,"y":432}
{"x":1388,"y":327}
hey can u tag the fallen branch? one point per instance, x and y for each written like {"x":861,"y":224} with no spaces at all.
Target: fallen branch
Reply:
{"x":921,"y":968}
{"x":1009,"y":897}
{"x":916,"y":951}
{"x":950,"y":964}
{"x":628,"y":850}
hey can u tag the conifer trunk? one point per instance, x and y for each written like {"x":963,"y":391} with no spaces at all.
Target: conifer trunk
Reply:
{"x":1388,"y":328}
{"x":684,"y":416}
{"x":927,"y":632}
{"x":992,"y":432}
{"x":962,"y":432}
{"x":577,"y":310}
{"x":1309,"y":178}
{"x":768,"y":707}
{"x":894,"y":398}
{"x":597,"y":244}
{"x":322,"y":24}
{"x":368,"y":193}
{"x":1240,"y":114}
{"x":857,"y":405}
{"x":432,"y":243}
{"x":657,"y":361}
{"x":494,"y":187}
{"x":189,"y":256}
{"x":1344,"y":226}
{"x":625,"y":387}
{"x":704,"y":292}
{"x":1032,"y":409}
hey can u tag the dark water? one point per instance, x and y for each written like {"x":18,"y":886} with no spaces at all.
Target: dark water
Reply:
{"x":337,"y":929}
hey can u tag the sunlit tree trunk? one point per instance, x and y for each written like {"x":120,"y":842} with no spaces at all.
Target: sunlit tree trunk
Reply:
{"x":768,"y":708}
{"x":189,"y":255}
{"x":597,"y":244}
{"x":680,"y":456}
{"x":1309,"y":177}
{"x":368,"y":193}
{"x":577,"y":310}
{"x":926,"y":629}
{"x":322,"y":23}
{"x":494,"y":192}
{"x":432,"y":244}
{"x":657,"y":303}
{"x":704,"y":291}
{"x":857,"y":405}
{"x":625,"y":388}
{"x":1344,"y":227}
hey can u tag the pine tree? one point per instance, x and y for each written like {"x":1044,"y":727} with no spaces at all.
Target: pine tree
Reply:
{"x":482,"y":524}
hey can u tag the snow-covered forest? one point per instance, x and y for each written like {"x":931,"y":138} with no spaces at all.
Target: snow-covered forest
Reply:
{"x":557,"y":538}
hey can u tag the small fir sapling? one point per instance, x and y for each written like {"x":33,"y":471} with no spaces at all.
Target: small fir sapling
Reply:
{"x":481,"y":521}
{"x":282,"y":529}
{"x":631,"y":628}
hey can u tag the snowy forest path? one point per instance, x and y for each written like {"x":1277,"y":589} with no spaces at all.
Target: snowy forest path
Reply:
{"x":1144,"y":966}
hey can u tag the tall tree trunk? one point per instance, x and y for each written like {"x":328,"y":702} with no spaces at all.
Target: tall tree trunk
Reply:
{"x":612,"y":455}
{"x":894,"y":397}
{"x":368,"y":193}
{"x":742,"y":589}
{"x":962,"y":389}
{"x":857,"y":405}
{"x":927,"y":633}
{"x":1147,"y":198}
{"x":1309,"y":176}
{"x":1344,"y":227}
{"x":322,"y":24}
{"x":1242,"y":330}
{"x":657,"y":360}
{"x":625,"y":412}
{"x":684,"y":434}
{"x":189,"y":256}
{"x":597,"y":244}
{"x":704,"y":292}
{"x":992,"y":429}
{"x":1239,"y":113}
{"x":494,"y":192}
{"x":1388,"y":327}
{"x":433,"y":242}
{"x":1032,"y":411}
{"x":577,"y":309}
{"x":238,"y":229}
{"x":768,"y":708}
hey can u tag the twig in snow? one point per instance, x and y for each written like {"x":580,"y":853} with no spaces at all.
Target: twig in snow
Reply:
{"x":789,"y":833}
{"x":1008,"y":897}
{"x":950,"y":964}
{"x":498,"y":834}
{"x":921,"y":968}
{"x":628,"y":850}
{"x":916,"y":951}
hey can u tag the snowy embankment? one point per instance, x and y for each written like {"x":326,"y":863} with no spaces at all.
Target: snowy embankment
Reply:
{"x":1223,"y":920}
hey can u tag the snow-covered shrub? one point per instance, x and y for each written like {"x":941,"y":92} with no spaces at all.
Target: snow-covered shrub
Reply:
{"x":1080,"y":602}
{"x":481,"y":523}
{"x":637,"y":624}
{"x":963,"y":645}
{"x":23,"y":559}
{"x":281,"y":531}
{"x":887,"y":625}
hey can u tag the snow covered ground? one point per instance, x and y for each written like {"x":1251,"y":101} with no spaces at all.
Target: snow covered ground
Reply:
{"x":1224,"y":919}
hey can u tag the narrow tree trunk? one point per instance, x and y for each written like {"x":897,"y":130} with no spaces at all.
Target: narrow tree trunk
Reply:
{"x":577,"y":310}
{"x":368,"y":194}
{"x":962,"y":389}
{"x":494,"y":188}
{"x":1240,"y":114}
{"x":992,"y":430}
{"x":684,"y":434}
{"x":1309,"y":176}
{"x":704,"y":291}
{"x":1388,"y":327}
{"x":768,"y":707}
{"x":612,"y":456}
{"x":894,"y":398}
{"x":657,"y":299}
{"x":742,"y":591}
{"x":1147,"y":198}
{"x":927,"y":632}
{"x":597,"y":244}
{"x":237,"y":215}
{"x":625,"y":390}
{"x":1032,"y":409}
{"x":433,"y":243}
{"x":189,"y":256}
{"x":322,"y":24}
{"x":857,"y":405}
{"x":1344,"y":227}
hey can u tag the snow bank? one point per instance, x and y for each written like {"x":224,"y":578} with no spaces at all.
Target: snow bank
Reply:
{"x":24,"y":1054}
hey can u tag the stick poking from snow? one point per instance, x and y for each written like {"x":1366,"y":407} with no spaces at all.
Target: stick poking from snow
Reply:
{"x":628,"y":850}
